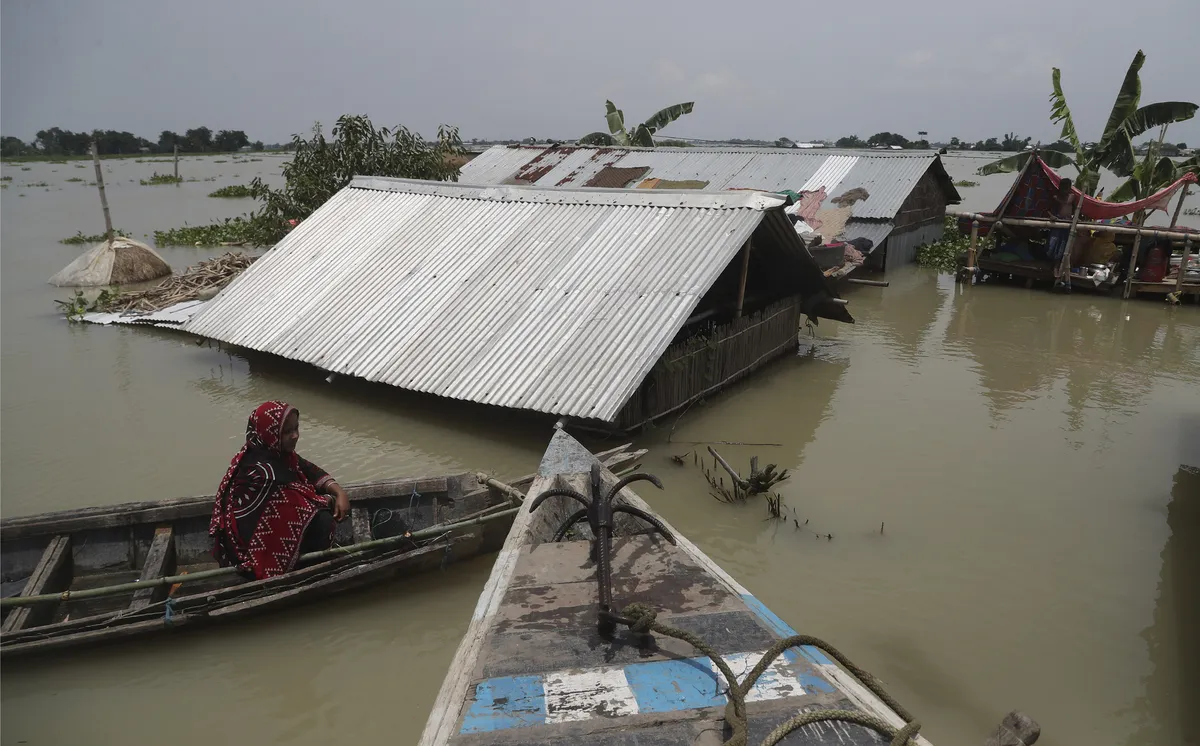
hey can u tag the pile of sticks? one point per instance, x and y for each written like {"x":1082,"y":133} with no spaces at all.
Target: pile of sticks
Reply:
{"x":203,"y":279}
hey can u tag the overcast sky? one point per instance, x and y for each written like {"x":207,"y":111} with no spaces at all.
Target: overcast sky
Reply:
{"x":543,"y":69}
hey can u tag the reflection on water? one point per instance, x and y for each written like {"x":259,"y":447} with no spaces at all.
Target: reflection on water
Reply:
{"x":1168,"y":705}
{"x":1022,"y":451}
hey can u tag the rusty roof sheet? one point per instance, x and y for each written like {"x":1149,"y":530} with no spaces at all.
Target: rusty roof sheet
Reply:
{"x":888,"y":177}
{"x":554,"y":300}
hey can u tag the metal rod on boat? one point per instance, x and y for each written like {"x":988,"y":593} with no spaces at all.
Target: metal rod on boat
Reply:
{"x":112,"y":590}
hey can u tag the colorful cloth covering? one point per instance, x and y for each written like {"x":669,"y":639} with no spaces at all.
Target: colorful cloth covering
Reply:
{"x":267,"y":499}
{"x":1094,"y":209}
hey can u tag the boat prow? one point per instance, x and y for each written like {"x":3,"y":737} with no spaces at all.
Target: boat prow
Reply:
{"x":537,"y":664}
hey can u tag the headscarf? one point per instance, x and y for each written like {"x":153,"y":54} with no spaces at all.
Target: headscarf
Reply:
{"x":264,"y":430}
{"x":292,"y":507}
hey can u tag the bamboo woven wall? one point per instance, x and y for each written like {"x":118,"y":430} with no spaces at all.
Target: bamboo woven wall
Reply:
{"x":703,"y":363}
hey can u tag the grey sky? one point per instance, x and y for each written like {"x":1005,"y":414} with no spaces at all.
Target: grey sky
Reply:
{"x":519,"y":69}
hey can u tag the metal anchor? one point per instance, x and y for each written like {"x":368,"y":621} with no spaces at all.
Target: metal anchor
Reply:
{"x":599,"y":512}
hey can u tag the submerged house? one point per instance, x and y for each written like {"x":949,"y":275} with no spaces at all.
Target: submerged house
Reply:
{"x":611,"y":307}
{"x":904,"y":208}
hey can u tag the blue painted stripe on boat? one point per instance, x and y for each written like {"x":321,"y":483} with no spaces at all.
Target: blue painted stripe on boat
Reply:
{"x":783,"y":629}
{"x":769,"y":618}
{"x":666,"y":686}
{"x":646,"y":687}
{"x":506,"y":702}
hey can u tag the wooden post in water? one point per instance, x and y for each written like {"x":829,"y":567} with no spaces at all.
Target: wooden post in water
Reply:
{"x":108,"y":229}
{"x":1179,"y":205}
{"x":176,"y":161}
{"x":1133,"y":257}
{"x":742,"y":283}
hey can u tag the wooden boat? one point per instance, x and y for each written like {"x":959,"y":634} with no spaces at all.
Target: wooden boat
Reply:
{"x":122,"y":571}
{"x":544,"y":662}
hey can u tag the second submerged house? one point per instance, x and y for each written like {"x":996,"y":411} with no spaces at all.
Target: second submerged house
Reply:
{"x":896,"y":200}
{"x":615,"y":307}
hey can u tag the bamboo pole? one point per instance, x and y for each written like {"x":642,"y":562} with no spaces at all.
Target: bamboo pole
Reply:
{"x":742,"y":282}
{"x":1064,"y":266}
{"x":1133,"y":257}
{"x":1179,"y":205}
{"x":872,"y":283}
{"x":1183,"y":261}
{"x":108,"y":229}
{"x":1175,"y":235}
{"x":176,"y":161}
{"x":514,"y":495}
{"x":112,"y":590}
{"x":971,"y":253}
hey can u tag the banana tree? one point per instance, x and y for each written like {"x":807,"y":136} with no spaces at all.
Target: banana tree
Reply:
{"x":1150,"y":175}
{"x":642,"y":135}
{"x":1114,"y":150}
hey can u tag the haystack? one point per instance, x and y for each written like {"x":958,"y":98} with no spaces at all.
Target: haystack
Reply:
{"x":121,"y":261}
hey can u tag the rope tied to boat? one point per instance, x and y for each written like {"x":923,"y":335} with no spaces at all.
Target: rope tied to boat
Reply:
{"x":642,"y":619}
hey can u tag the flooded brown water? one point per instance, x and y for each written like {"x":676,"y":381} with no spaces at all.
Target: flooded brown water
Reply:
{"x":1024,"y":452}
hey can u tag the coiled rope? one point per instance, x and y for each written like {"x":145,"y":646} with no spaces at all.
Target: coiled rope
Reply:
{"x":643,"y":620}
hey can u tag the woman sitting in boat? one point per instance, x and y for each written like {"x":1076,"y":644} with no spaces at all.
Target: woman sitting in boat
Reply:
{"x":273,"y":506}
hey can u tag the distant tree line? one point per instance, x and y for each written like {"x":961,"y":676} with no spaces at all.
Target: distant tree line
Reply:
{"x":882,"y":140}
{"x":60,"y":142}
{"x":1009,"y":142}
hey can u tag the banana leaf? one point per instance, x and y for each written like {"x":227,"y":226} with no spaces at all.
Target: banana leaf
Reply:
{"x":1191,"y":165}
{"x":1014,"y":163}
{"x":1117,"y":154}
{"x":642,"y":137}
{"x":666,"y":116}
{"x":598,"y":138}
{"x":616,"y":123}
{"x":1126,"y":103}
{"x":1060,"y":112}
{"x":1127,"y":192}
{"x":1156,"y":115}
{"x":1148,"y":178}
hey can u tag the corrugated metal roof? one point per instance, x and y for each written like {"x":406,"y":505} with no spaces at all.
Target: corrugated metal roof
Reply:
{"x":171,"y":316}
{"x":888,"y":177}
{"x":874,"y":230}
{"x":555,"y":300}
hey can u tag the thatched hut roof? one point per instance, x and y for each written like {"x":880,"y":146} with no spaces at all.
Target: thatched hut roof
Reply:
{"x":121,"y":261}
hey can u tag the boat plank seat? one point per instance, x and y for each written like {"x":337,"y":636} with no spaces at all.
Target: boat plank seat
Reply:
{"x":52,"y":574}
{"x":160,"y":562}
